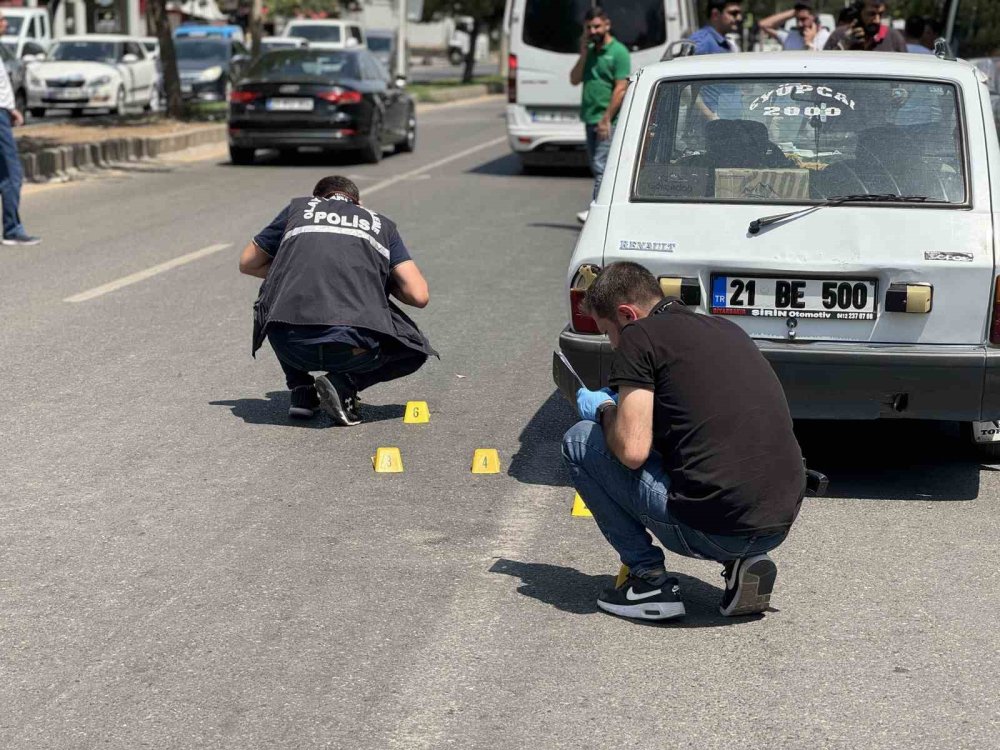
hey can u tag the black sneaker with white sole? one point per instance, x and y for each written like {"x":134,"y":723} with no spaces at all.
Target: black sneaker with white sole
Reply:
{"x":644,"y":600}
{"x":338,"y":399}
{"x":749,"y":583}
{"x":304,"y":402}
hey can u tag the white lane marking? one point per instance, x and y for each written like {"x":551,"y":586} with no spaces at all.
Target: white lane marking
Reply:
{"x":112,"y":286}
{"x":433,"y":165}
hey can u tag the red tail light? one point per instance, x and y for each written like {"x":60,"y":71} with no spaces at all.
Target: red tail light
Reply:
{"x":340,"y":96}
{"x":581,"y":322}
{"x":995,"y":319}
{"x":512,"y":79}
{"x":243,"y":97}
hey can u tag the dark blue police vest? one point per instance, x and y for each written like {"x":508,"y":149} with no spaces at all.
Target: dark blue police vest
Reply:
{"x":332,"y":268}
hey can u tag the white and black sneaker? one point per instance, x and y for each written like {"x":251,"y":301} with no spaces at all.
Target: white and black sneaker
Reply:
{"x":644,"y":600}
{"x":749,"y":583}
{"x":338,"y":400}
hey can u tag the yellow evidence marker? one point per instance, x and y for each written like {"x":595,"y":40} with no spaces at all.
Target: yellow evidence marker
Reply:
{"x":416,"y":413}
{"x":387,"y":461}
{"x":580,"y":508}
{"x":622,"y":576}
{"x":486,"y":461}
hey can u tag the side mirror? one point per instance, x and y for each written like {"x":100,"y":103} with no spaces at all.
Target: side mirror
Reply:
{"x":130,"y":58}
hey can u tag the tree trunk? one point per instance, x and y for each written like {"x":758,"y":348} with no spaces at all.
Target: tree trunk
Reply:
{"x":168,"y":58}
{"x":256,"y":27}
{"x":470,"y":59}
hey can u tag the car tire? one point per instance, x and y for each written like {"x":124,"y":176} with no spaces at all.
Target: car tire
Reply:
{"x":241,"y":156}
{"x":37,"y":111}
{"x":21,"y":102}
{"x":455,"y":56}
{"x":372,"y":151}
{"x":153,"y":105}
{"x":409,"y":141}
{"x":121,"y":109}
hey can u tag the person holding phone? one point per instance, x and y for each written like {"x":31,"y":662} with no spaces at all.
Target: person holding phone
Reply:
{"x":867,"y":32}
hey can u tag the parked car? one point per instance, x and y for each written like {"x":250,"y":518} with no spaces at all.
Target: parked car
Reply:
{"x":208,"y":67}
{"x":990,"y":68}
{"x":383,"y":44}
{"x":29,"y":32}
{"x":16,"y":72}
{"x":271,"y":43}
{"x":326,"y":34}
{"x":838,"y":208}
{"x":93,"y":72}
{"x":331,"y":99}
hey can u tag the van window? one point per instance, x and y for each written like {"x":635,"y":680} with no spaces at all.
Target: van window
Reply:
{"x":803,"y":140}
{"x":31,"y":33}
{"x":556,"y":25}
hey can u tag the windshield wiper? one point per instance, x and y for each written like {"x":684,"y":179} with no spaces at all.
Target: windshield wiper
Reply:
{"x":756,"y":224}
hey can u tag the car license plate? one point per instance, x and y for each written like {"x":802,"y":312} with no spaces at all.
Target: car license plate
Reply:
{"x":778,"y":297}
{"x":555,"y":115}
{"x":291,"y":105}
{"x":67,"y":96}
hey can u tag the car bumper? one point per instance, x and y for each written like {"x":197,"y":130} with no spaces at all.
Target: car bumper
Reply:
{"x":92,"y":100}
{"x":545,"y":141}
{"x":325,"y":138}
{"x":203,"y":92}
{"x":845,"y":381}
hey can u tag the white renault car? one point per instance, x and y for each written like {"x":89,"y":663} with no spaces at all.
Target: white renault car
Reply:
{"x":93,"y":72}
{"x":842,"y":208}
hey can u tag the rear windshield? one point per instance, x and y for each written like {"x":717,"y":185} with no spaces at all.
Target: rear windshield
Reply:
{"x":308,"y":63}
{"x":315,"y":33}
{"x":556,"y":25}
{"x":802,"y":140}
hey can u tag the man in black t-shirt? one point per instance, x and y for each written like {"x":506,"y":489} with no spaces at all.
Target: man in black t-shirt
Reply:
{"x":693,"y":441}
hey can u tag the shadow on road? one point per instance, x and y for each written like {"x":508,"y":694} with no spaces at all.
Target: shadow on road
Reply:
{"x":891,"y":460}
{"x":509,"y":165}
{"x":538,"y":460}
{"x":552,"y":225}
{"x":273,"y":410}
{"x":569,"y":590}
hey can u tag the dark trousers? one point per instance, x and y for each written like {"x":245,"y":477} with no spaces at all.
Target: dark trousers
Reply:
{"x":11,"y":177}
{"x":362,"y":370}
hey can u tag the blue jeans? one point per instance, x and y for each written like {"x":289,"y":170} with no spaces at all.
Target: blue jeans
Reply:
{"x":11,"y":178}
{"x":597,"y":151}
{"x":363,"y":369}
{"x":626,"y":503}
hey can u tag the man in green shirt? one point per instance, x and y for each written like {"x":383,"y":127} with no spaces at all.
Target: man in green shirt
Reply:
{"x":603,"y":69}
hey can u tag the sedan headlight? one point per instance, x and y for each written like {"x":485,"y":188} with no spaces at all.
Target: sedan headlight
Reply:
{"x":100,"y":81}
{"x":211,"y":74}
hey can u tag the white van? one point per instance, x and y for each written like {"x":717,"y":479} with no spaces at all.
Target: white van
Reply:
{"x":543,"y":111}
{"x":29,"y":31}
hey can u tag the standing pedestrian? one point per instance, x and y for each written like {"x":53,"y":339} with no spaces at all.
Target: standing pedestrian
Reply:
{"x":914,"y":33}
{"x":329,"y":266}
{"x":11,"y":175}
{"x":719,"y":100}
{"x":705,"y":461}
{"x":603,"y":68}
{"x":808,"y":34}
{"x":867,"y":32}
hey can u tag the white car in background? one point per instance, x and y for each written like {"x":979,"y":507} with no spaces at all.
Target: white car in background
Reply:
{"x":29,"y":32}
{"x":271,"y":43}
{"x":327,"y":34}
{"x":93,"y":72}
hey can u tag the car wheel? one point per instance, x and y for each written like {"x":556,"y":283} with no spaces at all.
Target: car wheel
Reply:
{"x":455,"y":56}
{"x":21,"y":101}
{"x":372,"y":151}
{"x":154,"y":99}
{"x":120,"y":109}
{"x":242,"y":156}
{"x":37,"y":111}
{"x":409,"y":142}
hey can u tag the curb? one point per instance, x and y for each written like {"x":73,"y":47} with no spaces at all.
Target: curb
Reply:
{"x":63,"y":162}
{"x":472,"y":91}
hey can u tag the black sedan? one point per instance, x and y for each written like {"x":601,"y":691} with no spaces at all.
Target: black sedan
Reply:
{"x":331,"y":99}
{"x":208,"y":66}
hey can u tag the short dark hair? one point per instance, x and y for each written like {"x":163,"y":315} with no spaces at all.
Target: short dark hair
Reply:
{"x":336,"y":184}
{"x":621,"y":283}
{"x":915,"y":26}
{"x":802,"y":5}
{"x":720,"y":5}
{"x":595,"y":12}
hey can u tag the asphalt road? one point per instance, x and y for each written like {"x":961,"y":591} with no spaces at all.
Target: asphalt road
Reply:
{"x":180,"y":567}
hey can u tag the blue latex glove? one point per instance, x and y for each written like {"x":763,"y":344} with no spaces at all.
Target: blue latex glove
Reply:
{"x":588,"y":401}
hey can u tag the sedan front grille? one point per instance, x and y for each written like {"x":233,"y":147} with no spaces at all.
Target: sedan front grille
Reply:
{"x":62,"y":83}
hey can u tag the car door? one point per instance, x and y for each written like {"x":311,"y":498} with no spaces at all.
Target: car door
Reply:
{"x":392,"y":96}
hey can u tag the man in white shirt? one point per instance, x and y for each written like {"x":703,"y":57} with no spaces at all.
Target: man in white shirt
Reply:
{"x":807,"y":35}
{"x":11,"y":175}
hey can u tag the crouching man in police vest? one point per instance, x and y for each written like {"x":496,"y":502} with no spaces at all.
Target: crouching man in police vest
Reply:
{"x":693,"y":442}
{"x":329,"y":266}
